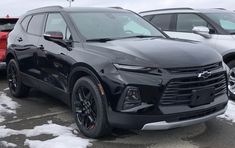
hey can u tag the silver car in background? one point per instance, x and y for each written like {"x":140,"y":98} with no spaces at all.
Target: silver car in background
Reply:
{"x":214,"y":27}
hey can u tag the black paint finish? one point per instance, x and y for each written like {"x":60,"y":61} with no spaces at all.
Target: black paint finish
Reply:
{"x":54,"y":68}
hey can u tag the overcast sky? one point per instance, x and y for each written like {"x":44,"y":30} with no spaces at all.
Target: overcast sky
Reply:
{"x":18,"y":7}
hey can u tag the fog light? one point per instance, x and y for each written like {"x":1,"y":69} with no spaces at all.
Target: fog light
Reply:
{"x":132,"y":98}
{"x":133,"y":94}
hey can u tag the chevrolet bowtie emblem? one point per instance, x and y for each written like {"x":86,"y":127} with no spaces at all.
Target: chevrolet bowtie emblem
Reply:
{"x":204,"y":74}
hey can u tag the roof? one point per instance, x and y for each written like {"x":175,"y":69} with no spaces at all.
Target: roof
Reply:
{"x":77,"y":9}
{"x":184,"y":10}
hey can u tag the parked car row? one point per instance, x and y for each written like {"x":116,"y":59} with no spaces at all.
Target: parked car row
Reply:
{"x":118,"y":71}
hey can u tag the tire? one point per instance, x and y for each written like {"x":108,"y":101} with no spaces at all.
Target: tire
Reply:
{"x":231,"y":65}
{"x":94,"y":123}
{"x":17,"y":88}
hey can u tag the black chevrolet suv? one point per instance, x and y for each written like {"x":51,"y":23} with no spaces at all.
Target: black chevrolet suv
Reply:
{"x":115,"y":69}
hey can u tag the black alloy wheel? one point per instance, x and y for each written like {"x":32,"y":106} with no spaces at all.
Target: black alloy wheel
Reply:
{"x":85,"y":107}
{"x":89,"y":108}
{"x":17,"y":88}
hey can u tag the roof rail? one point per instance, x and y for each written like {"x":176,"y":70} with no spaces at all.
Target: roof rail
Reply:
{"x":220,"y":8}
{"x":184,"y":8}
{"x":48,"y":7}
{"x":116,"y":7}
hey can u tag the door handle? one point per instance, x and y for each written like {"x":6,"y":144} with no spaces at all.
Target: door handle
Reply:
{"x":19,"y":39}
{"x":41,"y":47}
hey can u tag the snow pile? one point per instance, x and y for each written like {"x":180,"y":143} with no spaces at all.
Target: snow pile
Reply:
{"x":63,"y":141}
{"x":230,"y":113}
{"x":7,"y":106}
{"x":64,"y":137}
{"x":6,"y":89}
{"x":6,"y":144}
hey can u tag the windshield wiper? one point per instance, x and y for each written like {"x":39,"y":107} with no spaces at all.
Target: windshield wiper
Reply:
{"x":111,"y":39}
{"x":100,"y":40}
{"x":144,"y":36}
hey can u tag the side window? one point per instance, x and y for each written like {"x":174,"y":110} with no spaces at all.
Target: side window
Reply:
{"x":36,"y":24}
{"x":186,"y":22}
{"x":162,"y":21}
{"x":25,"y":22}
{"x":56,"y":23}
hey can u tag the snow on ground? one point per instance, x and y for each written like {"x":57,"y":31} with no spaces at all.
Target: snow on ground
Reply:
{"x":64,"y":136}
{"x":6,"y":89}
{"x":63,"y":141}
{"x":230,"y":113}
{"x":7,"y":106}
{"x":6,"y":144}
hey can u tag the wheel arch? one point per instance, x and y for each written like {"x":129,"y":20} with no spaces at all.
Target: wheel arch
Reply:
{"x":9,"y":57}
{"x":229,"y":57}
{"x":82,"y":69}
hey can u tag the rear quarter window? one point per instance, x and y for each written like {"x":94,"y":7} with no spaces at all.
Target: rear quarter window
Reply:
{"x":35,"y":26}
{"x":25,"y":22}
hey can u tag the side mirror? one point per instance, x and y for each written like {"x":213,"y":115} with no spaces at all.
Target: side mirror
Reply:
{"x":53,"y":36}
{"x":203,"y":31}
{"x":58,"y":38}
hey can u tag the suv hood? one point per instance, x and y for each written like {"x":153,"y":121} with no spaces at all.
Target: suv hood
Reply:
{"x":163,"y":53}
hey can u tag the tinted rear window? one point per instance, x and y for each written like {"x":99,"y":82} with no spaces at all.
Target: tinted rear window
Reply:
{"x":7,"y":25}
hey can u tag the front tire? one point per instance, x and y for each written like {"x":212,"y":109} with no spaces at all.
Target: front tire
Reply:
{"x":17,"y":88}
{"x":89,"y":108}
{"x":231,"y":79}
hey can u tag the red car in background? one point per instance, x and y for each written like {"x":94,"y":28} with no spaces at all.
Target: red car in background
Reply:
{"x":6,"y":26}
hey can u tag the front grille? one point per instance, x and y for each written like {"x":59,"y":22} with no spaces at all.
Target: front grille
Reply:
{"x":180,"y":91}
{"x":210,"y":67}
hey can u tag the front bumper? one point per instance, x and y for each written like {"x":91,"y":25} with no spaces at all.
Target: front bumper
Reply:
{"x":2,"y":65}
{"x":164,"y":125}
{"x":162,"y":122}
{"x":166,"y":98}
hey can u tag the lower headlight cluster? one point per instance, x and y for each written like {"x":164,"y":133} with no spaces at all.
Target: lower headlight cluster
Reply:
{"x":132,"y":98}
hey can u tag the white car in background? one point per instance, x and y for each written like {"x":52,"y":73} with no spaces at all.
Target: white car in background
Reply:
{"x":214,"y":27}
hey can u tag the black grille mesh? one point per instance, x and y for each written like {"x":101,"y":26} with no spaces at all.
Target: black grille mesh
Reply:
{"x":179,"y":91}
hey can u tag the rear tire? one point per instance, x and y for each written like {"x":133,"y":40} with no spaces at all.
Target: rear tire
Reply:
{"x":89,"y":109}
{"x":17,"y":88}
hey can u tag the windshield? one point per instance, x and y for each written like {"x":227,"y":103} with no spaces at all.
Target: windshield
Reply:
{"x":114,"y":25}
{"x":7,"y":25}
{"x":225,"y":20}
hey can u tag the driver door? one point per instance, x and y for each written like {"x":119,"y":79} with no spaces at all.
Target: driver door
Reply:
{"x":52,"y":56}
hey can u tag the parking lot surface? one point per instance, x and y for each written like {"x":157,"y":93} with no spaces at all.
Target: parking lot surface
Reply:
{"x":40,"y":109}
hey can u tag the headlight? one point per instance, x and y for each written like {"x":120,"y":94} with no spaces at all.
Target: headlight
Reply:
{"x":133,"y":68}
